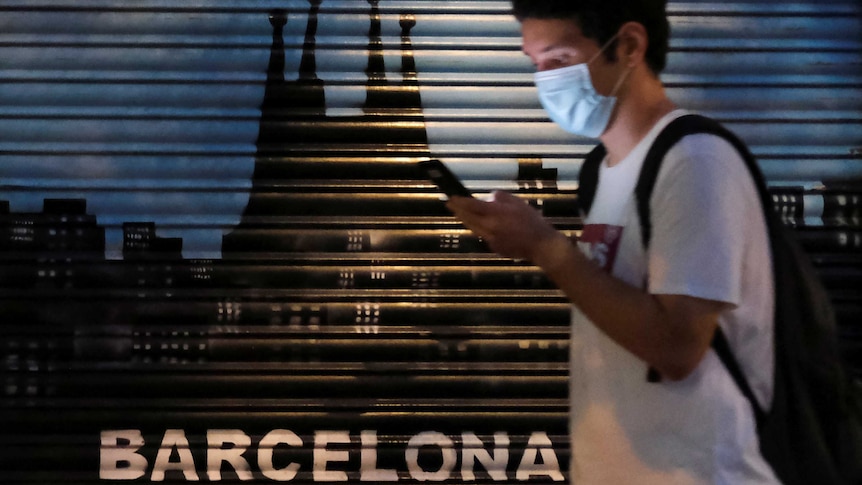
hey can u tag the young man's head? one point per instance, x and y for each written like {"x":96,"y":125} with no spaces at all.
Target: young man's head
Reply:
{"x":600,"y":20}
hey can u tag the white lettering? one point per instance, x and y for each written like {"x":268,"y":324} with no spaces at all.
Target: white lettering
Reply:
{"x":118,"y":461}
{"x":266,"y":448}
{"x":174,"y":439}
{"x":368,"y":471}
{"x":123,"y":456}
{"x":539,"y":443}
{"x":447,"y":450}
{"x":474,"y":450}
{"x":322,"y":456}
{"x":217,"y":453}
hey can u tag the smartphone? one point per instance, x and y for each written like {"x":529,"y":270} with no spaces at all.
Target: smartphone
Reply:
{"x":439,"y":173}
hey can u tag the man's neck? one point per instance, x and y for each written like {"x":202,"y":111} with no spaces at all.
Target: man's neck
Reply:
{"x":636,"y":116}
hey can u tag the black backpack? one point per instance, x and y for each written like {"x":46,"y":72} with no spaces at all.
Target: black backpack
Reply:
{"x":812,"y":434}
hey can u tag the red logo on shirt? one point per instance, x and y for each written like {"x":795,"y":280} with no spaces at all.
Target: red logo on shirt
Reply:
{"x":600,"y":243}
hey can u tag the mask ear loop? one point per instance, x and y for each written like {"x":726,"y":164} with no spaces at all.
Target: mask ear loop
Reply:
{"x":620,"y":81}
{"x":625,"y":75}
{"x":604,"y":47}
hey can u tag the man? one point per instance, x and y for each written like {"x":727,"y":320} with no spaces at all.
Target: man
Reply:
{"x":635,"y":312}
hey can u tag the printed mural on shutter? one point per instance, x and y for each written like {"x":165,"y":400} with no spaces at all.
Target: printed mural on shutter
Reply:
{"x":229,"y":268}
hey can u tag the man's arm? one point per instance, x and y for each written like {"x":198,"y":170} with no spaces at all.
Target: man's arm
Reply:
{"x":671,"y":333}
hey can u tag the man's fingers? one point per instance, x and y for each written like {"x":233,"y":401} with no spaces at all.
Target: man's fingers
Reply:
{"x":504,"y":197}
{"x":480,"y":225}
{"x":460,"y":205}
{"x":473,"y":213}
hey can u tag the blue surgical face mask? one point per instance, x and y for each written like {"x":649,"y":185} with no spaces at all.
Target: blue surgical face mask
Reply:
{"x":572,"y":102}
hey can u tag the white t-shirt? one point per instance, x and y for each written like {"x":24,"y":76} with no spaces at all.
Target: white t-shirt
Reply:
{"x":709,"y":240}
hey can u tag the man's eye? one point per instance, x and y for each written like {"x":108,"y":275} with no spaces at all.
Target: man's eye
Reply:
{"x":558,"y":62}
{"x":563,"y":59}
{"x":555,"y":62}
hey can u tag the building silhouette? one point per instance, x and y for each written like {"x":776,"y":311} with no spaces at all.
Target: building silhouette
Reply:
{"x":298,"y":141}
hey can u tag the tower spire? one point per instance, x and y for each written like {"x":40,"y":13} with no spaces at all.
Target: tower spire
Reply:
{"x":375,"y":93}
{"x":408,"y":61}
{"x":275,"y":69}
{"x":308,"y":64}
{"x":409,"y":93}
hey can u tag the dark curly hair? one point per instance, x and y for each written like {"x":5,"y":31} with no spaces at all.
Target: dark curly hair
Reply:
{"x":601,"y":19}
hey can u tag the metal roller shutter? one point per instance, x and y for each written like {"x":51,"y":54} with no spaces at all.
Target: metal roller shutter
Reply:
{"x":218,"y":261}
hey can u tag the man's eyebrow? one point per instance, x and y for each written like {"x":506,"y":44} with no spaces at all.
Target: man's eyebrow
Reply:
{"x":551,"y":50}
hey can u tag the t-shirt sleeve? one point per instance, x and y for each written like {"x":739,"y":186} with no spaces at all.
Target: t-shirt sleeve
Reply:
{"x":702,"y":202}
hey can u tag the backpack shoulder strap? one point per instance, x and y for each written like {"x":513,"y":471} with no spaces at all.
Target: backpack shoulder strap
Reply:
{"x":670,"y":135}
{"x":722,"y":348}
{"x":588,"y":178}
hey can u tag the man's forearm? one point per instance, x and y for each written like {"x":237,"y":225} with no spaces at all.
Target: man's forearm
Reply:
{"x":666,"y":332}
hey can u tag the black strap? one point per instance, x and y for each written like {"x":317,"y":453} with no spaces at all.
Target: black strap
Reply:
{"x":673,"y":133}
{"x":588,"y":178}
{"x":669,"y":136}
{"x":722,"y":349}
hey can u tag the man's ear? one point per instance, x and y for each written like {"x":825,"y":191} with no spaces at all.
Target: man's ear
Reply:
{"x":632,"y":43}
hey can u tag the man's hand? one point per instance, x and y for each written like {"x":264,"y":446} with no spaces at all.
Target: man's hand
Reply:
{"x":508,"y":224}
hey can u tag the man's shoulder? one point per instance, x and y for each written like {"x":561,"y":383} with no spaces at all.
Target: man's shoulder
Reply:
{"x":704,"y":170}
{"x":705,"y":154}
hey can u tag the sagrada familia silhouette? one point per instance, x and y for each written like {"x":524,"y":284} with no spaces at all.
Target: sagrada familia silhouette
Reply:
{"x":298,"y":141}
